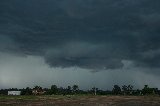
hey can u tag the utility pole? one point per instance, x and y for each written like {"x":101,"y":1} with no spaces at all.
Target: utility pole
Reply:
{"x":95,"y":91}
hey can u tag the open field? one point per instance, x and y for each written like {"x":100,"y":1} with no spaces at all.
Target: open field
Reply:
{"x":79,"y":100}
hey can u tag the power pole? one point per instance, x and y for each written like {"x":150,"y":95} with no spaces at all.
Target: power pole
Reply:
{"x":95,"y":91}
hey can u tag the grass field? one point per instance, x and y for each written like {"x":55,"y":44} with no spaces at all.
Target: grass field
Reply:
{"x":81,"y":100}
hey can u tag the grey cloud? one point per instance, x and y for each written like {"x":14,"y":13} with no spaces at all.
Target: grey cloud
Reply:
{"x":83,"y":55}
{"x":88,"y":33}
{"x":20,"y":72}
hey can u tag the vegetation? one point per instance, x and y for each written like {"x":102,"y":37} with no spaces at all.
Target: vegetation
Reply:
{"x":116,"y":90}
{"x":74,"y":90}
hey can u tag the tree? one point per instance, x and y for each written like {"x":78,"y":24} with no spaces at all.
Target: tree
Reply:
{"x":38,"y":88}
{"x":116,"y":90}
{"x":147,"y":90}
{"x":69,"y":90}
{"x":27,"y":91}
{"x":61,"y":90}
{"x":54,"y":89}
{"x":75,"y":88}
{"x":124,"y":88}
{"x":129,"y":89}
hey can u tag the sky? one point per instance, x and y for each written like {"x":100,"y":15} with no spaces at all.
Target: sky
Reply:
{"x":86,"y":42}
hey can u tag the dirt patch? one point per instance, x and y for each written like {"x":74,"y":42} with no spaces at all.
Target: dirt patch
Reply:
{"x":83,"y":101}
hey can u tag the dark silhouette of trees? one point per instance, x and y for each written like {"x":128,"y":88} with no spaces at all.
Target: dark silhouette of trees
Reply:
{"x":27,"y":91}
{"x":61,"y":91}
{"x":69,"y":90}
{"x":39,"y":88}
{"x":54,"y":89}
{"x":75,"y":88}
{"x":116,"y":90}
{"x":3,"y":91}
{"x":129,"y":87}
{"x":126,"y":90}
{"x":148,"y":91}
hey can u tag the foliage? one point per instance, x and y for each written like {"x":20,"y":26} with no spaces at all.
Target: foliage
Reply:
{"x":74,"y":90}
{"x":54,"y":89}
{"x":127,"y":90}
{"x":116,"y":90}
{"x":149,"y":91}
{"x":27,"y":91}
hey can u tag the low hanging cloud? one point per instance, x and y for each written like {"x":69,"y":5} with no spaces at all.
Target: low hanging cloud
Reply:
{"x":21,"y":72}
{"x":83,"y":55}
{"x":89,"y":34}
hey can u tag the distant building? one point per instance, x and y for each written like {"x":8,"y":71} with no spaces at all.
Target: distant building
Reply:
{"x":14,"y":92}
{"x":38,"y":92}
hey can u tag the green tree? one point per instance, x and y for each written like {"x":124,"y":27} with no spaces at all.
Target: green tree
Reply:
{"x":28,"y":91}
{"x":69,"y":90}
{"x":54,"y":89}
{"x":124,"y":88}
{"x":38,"y":88}
{"x":147,"y":90}
{"x":116,"y":90}
{"x":129,"y":89}
{"x":75,"y":88}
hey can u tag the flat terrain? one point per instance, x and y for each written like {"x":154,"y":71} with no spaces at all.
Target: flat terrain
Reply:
{"x":79,"y":100}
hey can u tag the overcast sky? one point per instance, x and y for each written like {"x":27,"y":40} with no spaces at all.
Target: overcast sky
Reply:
{"x":86,"y":42}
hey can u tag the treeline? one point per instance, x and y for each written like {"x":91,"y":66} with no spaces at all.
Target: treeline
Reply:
{"x":73,"y":90}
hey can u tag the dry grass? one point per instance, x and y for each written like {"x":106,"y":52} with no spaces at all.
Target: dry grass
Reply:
{"x":79,"y":100}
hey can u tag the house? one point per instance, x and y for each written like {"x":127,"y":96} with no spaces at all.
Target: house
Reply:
{"x":14,"y":92}
{"x":37,"y":92}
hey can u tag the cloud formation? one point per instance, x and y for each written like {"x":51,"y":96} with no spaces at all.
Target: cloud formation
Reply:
{"x":21,"y":72}
{"x":89,"y":34}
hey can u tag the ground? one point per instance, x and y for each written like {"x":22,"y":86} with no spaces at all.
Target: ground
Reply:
{"x":82,"y":100}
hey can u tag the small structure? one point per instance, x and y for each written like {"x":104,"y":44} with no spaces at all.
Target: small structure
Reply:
{"x":38,"y":92}
{"x":14,"y":92}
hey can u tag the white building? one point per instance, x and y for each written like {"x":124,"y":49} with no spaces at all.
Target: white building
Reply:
{"x":14,"y":92}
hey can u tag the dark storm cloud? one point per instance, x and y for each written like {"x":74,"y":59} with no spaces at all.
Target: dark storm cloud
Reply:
{"x":94,"y":34}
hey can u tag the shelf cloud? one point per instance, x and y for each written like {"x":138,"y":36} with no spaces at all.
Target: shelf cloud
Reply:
{"x":88,"y":34}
